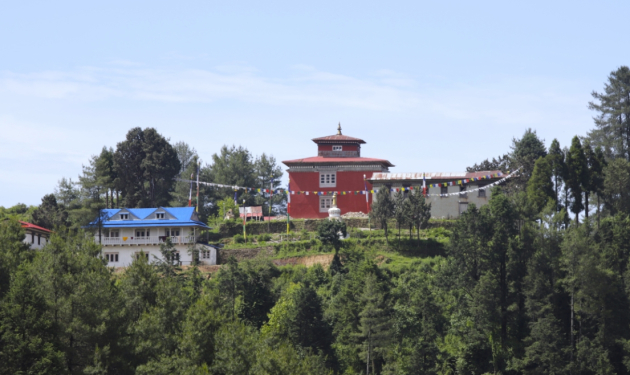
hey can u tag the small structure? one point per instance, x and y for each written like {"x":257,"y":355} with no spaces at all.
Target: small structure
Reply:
{"x":338,"y":166}
{"x":128,"y":233}
{"x":36,"y":236}
{"x":447,"y":202}
{"x":334,"y":213}
{"x":251,"y":212}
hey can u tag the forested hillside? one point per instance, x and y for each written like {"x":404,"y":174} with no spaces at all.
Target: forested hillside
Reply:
{"x":535,"y":282}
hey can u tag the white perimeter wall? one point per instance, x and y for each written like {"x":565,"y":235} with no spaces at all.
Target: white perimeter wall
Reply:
{"x":126,"y":254}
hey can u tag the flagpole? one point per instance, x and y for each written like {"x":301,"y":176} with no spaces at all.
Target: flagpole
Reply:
{"x":244,"y":221}
{"x":288,"y":206}
{"x":367,"y":203}
{"x":270,"y":194}
{"x":198,"y":164}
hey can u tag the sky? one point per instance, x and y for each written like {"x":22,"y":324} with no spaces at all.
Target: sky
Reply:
{"x":430,"y":86}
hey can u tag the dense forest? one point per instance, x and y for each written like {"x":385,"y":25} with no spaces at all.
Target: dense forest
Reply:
{"x":535,"y":282}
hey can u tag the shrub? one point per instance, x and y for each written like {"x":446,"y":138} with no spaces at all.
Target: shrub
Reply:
{"x":238,"y":238}
{"x":264,"y":237}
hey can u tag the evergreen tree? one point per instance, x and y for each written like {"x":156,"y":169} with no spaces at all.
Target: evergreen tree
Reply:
{"x":525,"y":152}
{"x":612,"y":122}
{"x":540,"y":189}
{"x":577,"y":175}
{"x":556,"y":159}
{"x":328,"y":231}
{"x":13,"y":251}
{"x":374,"y":328}
{"x":401,"y":211}
{"x":145,"y":165}
{"x":616,"y":182}
{"x":382,"y":209}
{"x":419,"y":210}
{"x":49,"y":214}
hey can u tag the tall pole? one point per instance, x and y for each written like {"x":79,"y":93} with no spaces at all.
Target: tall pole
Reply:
{"x":244,"y":221}
{"x":367,"y":202}
{"x":198,"y":165}
{"x":270,"y":195}
{"x":288,"y":206}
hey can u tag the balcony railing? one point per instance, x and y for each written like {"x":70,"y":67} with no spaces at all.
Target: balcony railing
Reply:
{"x":152,"y":240}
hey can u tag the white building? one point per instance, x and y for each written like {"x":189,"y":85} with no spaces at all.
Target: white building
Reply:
{"x":36,"y":236}
{"x":128,"y":233}
{"x":449,"y":193}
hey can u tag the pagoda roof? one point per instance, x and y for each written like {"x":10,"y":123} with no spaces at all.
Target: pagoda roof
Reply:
{"x":338,"y":138}
{"x":325,"y":160}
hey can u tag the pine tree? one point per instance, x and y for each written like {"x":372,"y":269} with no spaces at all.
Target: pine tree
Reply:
{"x":374,"y":328}
{"x":613,"y":119}
{"x":401,"y":214}
{"x":577,"y":175}
{"x":540,"y":189}
{"x":556,"y":158}
{"x":383,"y":209}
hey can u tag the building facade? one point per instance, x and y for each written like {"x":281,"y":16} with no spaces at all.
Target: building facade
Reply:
{"x":447,"y":202}
{"x":128,"y":233}
{"x":36,"y":236}
{"x":337,"y":167}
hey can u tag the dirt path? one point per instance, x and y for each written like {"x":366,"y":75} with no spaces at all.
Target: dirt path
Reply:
{"x":307,"y":261}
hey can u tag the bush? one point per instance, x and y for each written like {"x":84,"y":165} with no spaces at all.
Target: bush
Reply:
{"x":329,"y":232}
{"x":238,"y":238}
{"x":264,"y":237}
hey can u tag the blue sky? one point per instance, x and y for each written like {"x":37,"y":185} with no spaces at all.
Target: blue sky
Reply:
{"x":431,"y":86}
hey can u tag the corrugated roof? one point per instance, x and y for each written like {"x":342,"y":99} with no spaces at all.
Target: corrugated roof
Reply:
{"x":183,"y":217}
{"x":26,"y":225}
{"x":429,"y":175}
{"x":322,"y":159}
{"x":337,"y":138}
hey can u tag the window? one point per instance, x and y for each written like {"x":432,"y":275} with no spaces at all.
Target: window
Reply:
{"x":443,"y":190}
{"x":112,"y":257}
{"x":159,"y":215}
{"x":140,"y":233}
{"x":124,"y":216}
{"x":482,"y":193}
{"x":139,"y":254}
{"x":173,"y":232}
{"x":325,"y":203}
{"x":113,"y":233}
{"x":32,"y":237}
{"x":39,"y":239}
{"x":463,"y":206}
{"x":462,"y":192}
{"x":328,"y":179}
{"x":337,"y":148}
{"x":205,"y":254}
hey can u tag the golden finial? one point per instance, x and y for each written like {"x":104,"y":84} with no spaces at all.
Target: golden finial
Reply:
{"x":339,"y":129}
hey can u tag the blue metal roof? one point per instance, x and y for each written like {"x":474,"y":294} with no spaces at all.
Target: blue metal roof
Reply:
{"x":183,"y":217}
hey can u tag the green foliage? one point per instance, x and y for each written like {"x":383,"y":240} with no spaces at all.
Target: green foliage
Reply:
{"x":577,"y":177}
{"x":525,"y":152}
{"x":382,"y":208}
{"x":540,"y":189}
{"x":616,"y":182}
{"x":49,"y":214}
{"x":145,"y":165}
{"x":329,"y":231}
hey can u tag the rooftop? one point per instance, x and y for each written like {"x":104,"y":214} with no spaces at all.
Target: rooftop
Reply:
{"x":338,"y":138}
{"x":147,"y":218}
{"x":26,"y":225}
{"x":433,"y":175}
{"x":323,"y":160}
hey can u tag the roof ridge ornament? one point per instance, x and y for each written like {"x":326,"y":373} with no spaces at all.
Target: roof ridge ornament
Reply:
{"x":339,"y":129}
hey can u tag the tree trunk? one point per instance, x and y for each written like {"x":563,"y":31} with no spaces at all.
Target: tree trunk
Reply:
{"x":586,"y":204}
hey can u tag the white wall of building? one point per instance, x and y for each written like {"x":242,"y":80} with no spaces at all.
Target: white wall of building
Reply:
{"x":34,"y":240}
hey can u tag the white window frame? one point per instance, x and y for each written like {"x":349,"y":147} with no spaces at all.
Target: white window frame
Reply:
{"x":205,"y":254}
{"x":124,"y":216}
{"x":160,"y":215}
{"x":482,"y":193}
{"x":113,"y":233}
{"x":111,"y":257}
{"x":136,"y":255}
{"x":442,"y":189}
{"x":325,"y":203}
{"x":337,"y":148}
{"x":144,"y":232}
{"x":327,"y":179}
{"x":169,"y":232}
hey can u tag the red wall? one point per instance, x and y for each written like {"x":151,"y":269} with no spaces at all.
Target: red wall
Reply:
{"x":307,"y":206}
{"x":328,"y":147}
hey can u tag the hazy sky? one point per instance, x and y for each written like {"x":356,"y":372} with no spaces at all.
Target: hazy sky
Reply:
{"x":430,"y":86}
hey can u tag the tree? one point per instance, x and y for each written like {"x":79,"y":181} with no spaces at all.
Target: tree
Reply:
{"x":374,"y":328}
{"x":382,"y":208}
{"x":558,"y":167}
{"x":420,"y":210}
{"x":612,"y":122}
{"x":577,"y":175}
{"x":13,"y":251}
{"x":500,"y":163}
{"x":540,"y":187}
{"x":268,"y":175}
{"x":328,"y":231}
{"x":525,"y":152}
{"x":66,"y":193}
{"x":26,"y":331}
{"x":616,"y":182}
{"x":402,"y":213}
{"x":146,"y":166}
{"x":49,"y":214}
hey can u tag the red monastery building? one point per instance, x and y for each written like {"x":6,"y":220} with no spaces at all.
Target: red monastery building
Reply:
{"x":338,"y":167}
